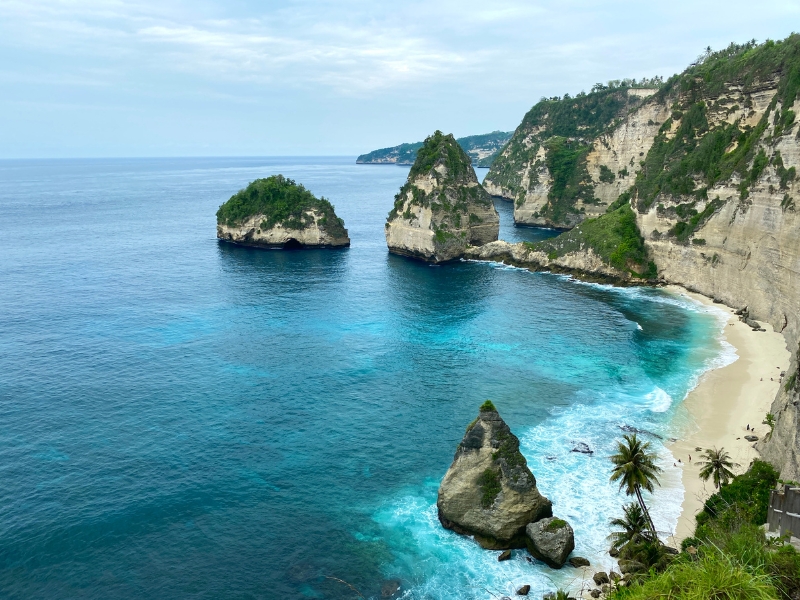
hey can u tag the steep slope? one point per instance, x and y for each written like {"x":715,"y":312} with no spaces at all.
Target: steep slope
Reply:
{"x":442,"y":208}
{"x":547,"y":168}
{"x":278,"y":213}
{"x":482,"y":149}
{"x":708,"y":166}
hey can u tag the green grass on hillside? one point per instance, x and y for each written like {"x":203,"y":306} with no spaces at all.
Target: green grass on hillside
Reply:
{"x":613,"y":236}
{"x":280,"y":200}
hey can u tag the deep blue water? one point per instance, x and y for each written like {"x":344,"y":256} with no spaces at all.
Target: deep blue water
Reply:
{"x":186,"y":419}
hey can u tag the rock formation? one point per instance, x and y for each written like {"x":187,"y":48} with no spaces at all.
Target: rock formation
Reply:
{"x":442,"y":208}
{"x":489,"y":492}
{"x":550,"y":540}
{"x":482,"y":149}
{"x":707,"y":165}
{"x":278,"y":213}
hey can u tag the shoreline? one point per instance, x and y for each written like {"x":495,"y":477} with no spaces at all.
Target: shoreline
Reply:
{"x":724,"y":401}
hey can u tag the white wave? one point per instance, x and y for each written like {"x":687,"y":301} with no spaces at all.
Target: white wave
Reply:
{"x":659,"y":400}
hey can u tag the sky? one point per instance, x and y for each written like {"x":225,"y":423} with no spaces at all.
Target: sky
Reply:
{"x":108,"y":78}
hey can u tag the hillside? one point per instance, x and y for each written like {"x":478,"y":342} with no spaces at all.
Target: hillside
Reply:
{"x":707,"y":166}
{"x":482,"y":150}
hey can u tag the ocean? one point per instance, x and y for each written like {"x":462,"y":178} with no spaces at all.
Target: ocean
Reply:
{"x":183,"y":418}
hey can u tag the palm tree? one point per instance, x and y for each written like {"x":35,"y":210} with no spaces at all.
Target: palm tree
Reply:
{"x":633,"y":527}
{"x":635,"y":469}
{"x":717,"y":464}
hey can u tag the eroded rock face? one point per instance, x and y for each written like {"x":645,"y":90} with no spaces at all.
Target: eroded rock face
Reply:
{"x":550,"y":540}
{"x":489,"y":491}
{"x":442,"y":208}
{"x":313,"y":235}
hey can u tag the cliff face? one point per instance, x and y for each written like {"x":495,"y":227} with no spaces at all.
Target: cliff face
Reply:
{"x":314,"y":234}
{"x":548,"y":167}
{"x":708,"y":165}
{"x":442,"y":208}
{"x":278,"y":213}
{"x":489,"y":491}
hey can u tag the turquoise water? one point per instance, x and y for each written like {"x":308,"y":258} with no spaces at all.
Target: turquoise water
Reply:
{"x":183,"y":418}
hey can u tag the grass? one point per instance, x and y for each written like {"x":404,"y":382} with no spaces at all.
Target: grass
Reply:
{"x":487,"y":406}
{"x":555,"y":525}
{"x":279,"y":200}
{"x":614,"y":237}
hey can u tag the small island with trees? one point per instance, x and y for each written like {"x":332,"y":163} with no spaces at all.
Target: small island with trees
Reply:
{"x":276,"y":212}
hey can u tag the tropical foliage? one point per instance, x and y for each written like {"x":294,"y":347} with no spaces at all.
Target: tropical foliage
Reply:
{"x":716,"y":464}
{"x":635,"y":469}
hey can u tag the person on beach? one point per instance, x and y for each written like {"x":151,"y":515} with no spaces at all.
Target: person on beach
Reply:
{"x":690,"y":458}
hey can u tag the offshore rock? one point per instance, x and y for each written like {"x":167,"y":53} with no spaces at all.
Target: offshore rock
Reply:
{"x":278,"y":213}
{"x":489,"y":492}
{"x":442,"y":208}
{"x":550,"y":540}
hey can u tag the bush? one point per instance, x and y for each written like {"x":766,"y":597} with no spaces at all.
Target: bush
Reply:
{"x":747,"y":494}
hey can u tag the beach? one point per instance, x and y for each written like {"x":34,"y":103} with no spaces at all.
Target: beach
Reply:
{"x":722,"y":405}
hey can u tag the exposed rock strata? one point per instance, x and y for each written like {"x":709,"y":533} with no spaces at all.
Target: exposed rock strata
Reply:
{"x":313,"y":235}
{"x":442,"y":208}
{"x":489,"y":492}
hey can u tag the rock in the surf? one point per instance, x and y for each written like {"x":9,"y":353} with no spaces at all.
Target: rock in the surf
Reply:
{"x":442,"y":208}
{"x":551,"y":540}
{"x":278,"y":213}
{"x":489,"y":492}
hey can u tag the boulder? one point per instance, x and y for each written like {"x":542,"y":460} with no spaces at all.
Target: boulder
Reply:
{"x":524,"y":590}
{"x":442,"y":208}
{"x":489,"y":492}
{"x":582,"y":448}
{"x":390,"y":587}
{"x":550,"y":540}
{"x":595,"y":593}
{"x":578,"y":561}
{"x":601,"y":578}
{"x":504,"y":555}
{"x":751,"y":438}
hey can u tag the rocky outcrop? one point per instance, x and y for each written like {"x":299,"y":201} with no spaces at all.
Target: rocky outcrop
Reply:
{"x":278,"y":213}
{"x":442,"y":208}
{"x":482,"y":149}
{"x":489,"y":492}
{"x":550,"y":540}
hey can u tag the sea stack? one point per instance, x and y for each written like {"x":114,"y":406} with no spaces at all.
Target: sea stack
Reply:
{"x":276,"y":212}
{"x":489,"y":492}
{"x":442,"y":208}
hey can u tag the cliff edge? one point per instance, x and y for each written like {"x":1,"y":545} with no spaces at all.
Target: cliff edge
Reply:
{"x":278,"y":213}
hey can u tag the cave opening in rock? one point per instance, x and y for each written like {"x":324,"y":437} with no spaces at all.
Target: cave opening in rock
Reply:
{"x":292,"y":244}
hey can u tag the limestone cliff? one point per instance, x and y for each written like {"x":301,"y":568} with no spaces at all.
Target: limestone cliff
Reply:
{"x":550,"y":167}
{"x":482,"y":149}
{"x":442,"y":208}
{"x":278,"y":213}
{"x":711,"y":161}
{"x":489,"y":491}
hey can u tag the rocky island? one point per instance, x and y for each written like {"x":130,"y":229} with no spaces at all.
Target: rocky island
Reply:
{"x":276,"y":212}
{"x":442,"y":208}
{"x":490,"y":493}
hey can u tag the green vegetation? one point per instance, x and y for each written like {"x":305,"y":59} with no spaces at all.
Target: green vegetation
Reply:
{"x":770,"y":421}
{"x":487,"y":406}
{"x":607,"y":175}
{"x":565,"y":127}
{"x":716,"y":465}
{"x":635,"y":469}
{"x":279,"y":200}
{"x":613,"y":236}
{"x":632,"y":528}
{"x":489,"y":482}
{"x":695,"y":156}
{"x":555,"y":525}
{"x":473,"y":145}
{"x":729,"y":557}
